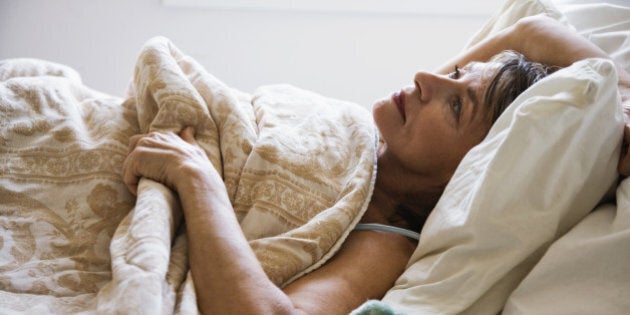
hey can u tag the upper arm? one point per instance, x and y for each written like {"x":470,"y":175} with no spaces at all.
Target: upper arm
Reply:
{"x":539,"y":38}
{"x":545,"y":40}
{"x":365,"y":267}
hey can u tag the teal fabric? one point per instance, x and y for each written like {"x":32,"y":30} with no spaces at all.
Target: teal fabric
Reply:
{"x":375,"y":307}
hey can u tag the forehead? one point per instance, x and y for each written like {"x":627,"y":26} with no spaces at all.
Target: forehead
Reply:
{"x":478,"y":76}
{"x":477,"y":116}
{"x":482,"y":69}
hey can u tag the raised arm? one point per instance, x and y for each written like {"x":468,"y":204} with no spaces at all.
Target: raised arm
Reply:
{"x":539,"y":38}
{"x":545,"y":40}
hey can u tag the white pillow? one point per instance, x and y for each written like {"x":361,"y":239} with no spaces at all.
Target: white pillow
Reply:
{"x":604,"y":22}
{"x":544,"y":165}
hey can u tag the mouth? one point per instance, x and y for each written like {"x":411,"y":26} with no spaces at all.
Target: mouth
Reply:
{"x":399,"y":100}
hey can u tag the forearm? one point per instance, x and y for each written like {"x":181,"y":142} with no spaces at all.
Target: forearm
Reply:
{"x":539,"y":38}
{"x":482,"y":51}
{"x":547,"y":41}
{"x":228,"y":278}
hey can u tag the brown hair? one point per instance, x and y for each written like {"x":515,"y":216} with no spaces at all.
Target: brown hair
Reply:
{"x":514,"y":76}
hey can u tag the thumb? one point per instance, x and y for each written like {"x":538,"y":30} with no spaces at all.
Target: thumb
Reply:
{"x":188,"y":134}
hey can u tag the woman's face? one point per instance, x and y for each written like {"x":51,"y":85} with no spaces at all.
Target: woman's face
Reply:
{"x":429,"y":127}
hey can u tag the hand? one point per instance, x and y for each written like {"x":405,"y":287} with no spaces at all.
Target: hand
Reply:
{"x":167,"y":158}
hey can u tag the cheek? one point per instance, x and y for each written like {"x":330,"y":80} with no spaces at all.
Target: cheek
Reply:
{"x":433,"y":148}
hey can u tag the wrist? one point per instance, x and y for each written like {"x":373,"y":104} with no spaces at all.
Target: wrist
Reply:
{"x":194,"y":176}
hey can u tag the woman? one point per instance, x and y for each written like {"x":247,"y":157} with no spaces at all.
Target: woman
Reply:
{"x":426,"y":129}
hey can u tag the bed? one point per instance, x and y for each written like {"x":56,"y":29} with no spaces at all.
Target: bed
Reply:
{"x":74,"y":240}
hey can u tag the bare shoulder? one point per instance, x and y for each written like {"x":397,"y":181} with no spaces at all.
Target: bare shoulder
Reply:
{"x":366,"y":266}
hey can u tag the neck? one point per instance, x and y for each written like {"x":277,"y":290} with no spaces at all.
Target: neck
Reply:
{"x":396,"y":186}
{"x":406,"y":211}
{"x":402,"y":198}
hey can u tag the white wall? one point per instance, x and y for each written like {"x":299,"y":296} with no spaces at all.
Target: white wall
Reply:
{"x":356,"y":57}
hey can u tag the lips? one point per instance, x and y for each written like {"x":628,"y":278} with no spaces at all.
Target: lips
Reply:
{"x":399,"y":99}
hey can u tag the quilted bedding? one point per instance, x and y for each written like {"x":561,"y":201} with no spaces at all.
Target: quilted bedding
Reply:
{"x":299,"y":169}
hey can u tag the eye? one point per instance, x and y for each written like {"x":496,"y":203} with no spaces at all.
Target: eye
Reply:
{"x":455,"y":74}
{"x":456,"y":101}
{"x":456,"y":104}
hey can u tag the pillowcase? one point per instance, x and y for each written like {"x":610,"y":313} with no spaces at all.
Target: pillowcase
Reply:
{"x":604,"y":22}
{"x":544,"y":165}
{"x":595,"y":253}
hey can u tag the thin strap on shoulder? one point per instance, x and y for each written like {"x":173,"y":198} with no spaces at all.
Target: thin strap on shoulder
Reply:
{"x":387,"y":228}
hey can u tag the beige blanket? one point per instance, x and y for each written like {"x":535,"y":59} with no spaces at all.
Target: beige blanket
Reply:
{"x":299,"y":169}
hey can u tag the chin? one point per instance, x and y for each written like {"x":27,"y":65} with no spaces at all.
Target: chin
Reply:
{"x":377,"y":114}
{"x":385,"y":115}
{"x":378,"y":105}
{"x":382,"y":107}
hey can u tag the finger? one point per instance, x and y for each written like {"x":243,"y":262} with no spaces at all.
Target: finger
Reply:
{"x":129,"y":176}
{"x":157,"y":140}
{"x":133,"y":142}
{"x":188,"y":134}
{"x":133,"y":188}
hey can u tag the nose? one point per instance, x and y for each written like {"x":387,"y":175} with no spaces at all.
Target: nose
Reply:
{"x":429,"y":84}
